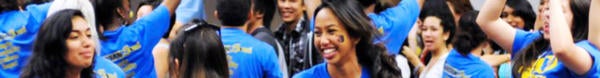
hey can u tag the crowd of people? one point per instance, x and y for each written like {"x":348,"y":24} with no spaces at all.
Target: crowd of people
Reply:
{"x":317,"y":39}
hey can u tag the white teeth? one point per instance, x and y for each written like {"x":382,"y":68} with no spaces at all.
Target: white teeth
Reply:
{"x":328,"y":50}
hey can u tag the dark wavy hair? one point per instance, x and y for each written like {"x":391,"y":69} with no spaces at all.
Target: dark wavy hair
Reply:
{"x":579,"y":29}
{"x":370,"y":55}
{"x":522,"y":9}
{"x":469,"y":35}
{"x":50,"y":48}
{"x":198,"y":48}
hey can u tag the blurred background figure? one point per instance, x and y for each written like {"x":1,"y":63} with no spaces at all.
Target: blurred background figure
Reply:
{"x":519,"y":14}
{"x":259,"y":27}
{"x":295,"y":36}
{"x":19,"y":24}
{"x":469,"y":41}
{"x":246,"y":55}
{"x":436,"y":31}
{"x":130,"y":44}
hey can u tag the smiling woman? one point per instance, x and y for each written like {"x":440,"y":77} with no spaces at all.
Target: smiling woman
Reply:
{"x":63,"y":48}
{"x":344,"y":36}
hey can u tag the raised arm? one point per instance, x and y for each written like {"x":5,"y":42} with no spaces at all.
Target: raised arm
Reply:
{"x":575,"y":58}
{"x":171,"y":5}
{"x":494,"y":27}
{"x":594,"y":27}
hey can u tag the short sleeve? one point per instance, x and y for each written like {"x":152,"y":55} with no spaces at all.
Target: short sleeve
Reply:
{"x":38,"y":11}
{"x":153,"y":26}
{"x":523,"y":39}
{"x":595,"y":54}
{"x":395,"y":23}
{"x":190,"y":9}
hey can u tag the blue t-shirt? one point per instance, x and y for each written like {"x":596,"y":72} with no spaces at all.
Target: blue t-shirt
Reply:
{"x":104,"y":68}
{"x":549,"y":66}
{"x":320,"y":71}
{"x":17,"y":34}
{"x":523,"y":39}
{"x":395,"y":23}
{"x":131,"y":46}
{"x":249,"y":57}
{"x":190,"y":9}
{"x":469,"y":66}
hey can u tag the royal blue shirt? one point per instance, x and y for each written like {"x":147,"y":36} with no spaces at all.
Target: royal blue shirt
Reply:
{"x":523,"y":39}
{"x":17,"y":34}
{"x":466,"y":66}
{"x":249,"y":57}
{"x":190,"y":9}
{"x":104,"y":68}
{"x":547,"y":65}
{"x":395,"y":23}
{"x":320,"y":71}
{"x":131,"y":46}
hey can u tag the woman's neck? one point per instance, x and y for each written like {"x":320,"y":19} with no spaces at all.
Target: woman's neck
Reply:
{"x":441,"y":51}
{"x":73,"y":72}
{"x":347,"y":68}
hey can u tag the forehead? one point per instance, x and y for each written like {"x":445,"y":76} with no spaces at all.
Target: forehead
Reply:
{"x":432,"y":21}
{"x":325,"y":17}
{"x":79,"y":23}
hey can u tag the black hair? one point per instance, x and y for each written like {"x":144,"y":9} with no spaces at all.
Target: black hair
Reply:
{"x":461,"y":6}
{"x":469,"y":35}
{"x":267,"y":8}
{"x":27,"y":2}
{"x":522,"y":9}
{"x":199,"y":49}
{"x":579,"y":29}
{"x":7,"y":5}
{"x":439,"y":9}
{"x":233,"y":12}
{"x":50,"y":48}
{"x":370,"y":55}
{"x":106,"y":11}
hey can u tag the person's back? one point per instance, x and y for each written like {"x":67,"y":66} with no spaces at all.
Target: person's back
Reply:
{"x":247,"y":57}
{"x":18,"y":28}
{"x":130,"y":46}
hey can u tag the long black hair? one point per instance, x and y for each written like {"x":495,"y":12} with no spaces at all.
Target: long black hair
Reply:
{"x":469,"y":35}
{"x":522,"y":9}
{"x":50,"y":48}
{"x":198,"y":48}
{"x":370,"y":55}
{"x":579,"y":29}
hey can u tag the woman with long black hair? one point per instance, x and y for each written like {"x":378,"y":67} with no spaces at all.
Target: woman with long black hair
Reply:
{"x":63,"y":48}
{"x":197,"y":52}
{"x":547,"y":53}
{"x":344,"y":36}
